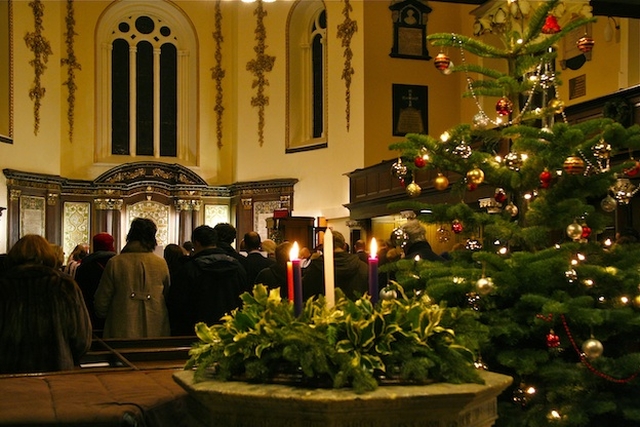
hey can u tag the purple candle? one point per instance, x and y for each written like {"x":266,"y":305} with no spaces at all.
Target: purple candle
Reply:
{"x":373,"y":271}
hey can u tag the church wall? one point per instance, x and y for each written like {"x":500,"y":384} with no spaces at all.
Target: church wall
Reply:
{"x":606,"y":72}
{"x":322,"y":188}
{"x":445,"y":107}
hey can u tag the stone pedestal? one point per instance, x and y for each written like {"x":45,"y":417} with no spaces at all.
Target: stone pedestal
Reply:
{"x":233,"y":403}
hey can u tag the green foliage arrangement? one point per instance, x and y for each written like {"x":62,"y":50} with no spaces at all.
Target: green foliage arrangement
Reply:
{"x":353,"y":344}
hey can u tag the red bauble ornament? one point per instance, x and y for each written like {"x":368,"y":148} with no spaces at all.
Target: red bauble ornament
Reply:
{"x":420,"y":162}
{"x":471,"y":186}
{"x":586,"y":231}
{"x":545,"y":178}
{"x":633,"y":171}
{"x":456,"y":226}
{"x":553,"y":340}
{"x":442,"y":61}
{"x":504,"y":106}
{"x":500,"y":196}
{"x":551,"y":25}
{"x":585,"y":44}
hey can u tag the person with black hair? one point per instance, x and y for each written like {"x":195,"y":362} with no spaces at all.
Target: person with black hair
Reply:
{"x":132,"y":290}
{"x":226,"y":236}
{"x":207,"y":285}
{"x":90,"y":271}
{"x":254,"y":262}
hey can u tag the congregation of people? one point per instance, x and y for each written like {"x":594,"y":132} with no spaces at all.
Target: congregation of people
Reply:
{"x":50,"y":308}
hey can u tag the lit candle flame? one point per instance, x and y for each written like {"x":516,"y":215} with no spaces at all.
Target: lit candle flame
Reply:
{"x":293,"y":253}
{"x":373,"y":248}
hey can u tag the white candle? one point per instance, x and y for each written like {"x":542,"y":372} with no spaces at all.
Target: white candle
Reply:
{"x":329,"y":279}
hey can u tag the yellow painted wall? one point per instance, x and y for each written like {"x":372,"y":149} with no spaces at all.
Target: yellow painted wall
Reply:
{"x":445,"y":106}
{"x":604,"y":72}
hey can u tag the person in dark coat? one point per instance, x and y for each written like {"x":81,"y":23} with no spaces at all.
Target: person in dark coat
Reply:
{"x":360,"y":248}
{"x":351,"y":274}
{"x":226,"y":236}
{"x":417,"y":244}
{"x":275,"y":276}
{"x":207,"y":286}
{"x":254,"y":262}
{"x":89,"y":272}
{"x":44,"y":323}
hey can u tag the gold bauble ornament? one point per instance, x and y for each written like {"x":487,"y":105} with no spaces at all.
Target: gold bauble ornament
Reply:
{"x":484,"y":286}
{"x":440,"y":182}
{"x":592,"y":348}
{"x":557,"y":105}
{"x":475,"y":176}
{"x":574,"y":231}
{"x":413,"y":189}
{"x":573,"y":165}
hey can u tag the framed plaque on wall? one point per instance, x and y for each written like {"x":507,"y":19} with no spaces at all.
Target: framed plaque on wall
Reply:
{"x":410,"y":109}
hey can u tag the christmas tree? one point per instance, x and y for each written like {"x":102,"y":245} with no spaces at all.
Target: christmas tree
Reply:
{"x":561,"y":302}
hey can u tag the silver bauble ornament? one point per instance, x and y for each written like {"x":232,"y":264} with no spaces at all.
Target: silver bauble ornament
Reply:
{"x":592,"y":348}
{"x":398,"y":238}
{"x":387,"y":294}
{"x":602,"y":150}
{"x":484,"y":286}
{"x":513,"y":161}
{"x":480,"y":121}
{"x":473,"y":245}
{"x":462,"y":150}
{"x":398,"y":170}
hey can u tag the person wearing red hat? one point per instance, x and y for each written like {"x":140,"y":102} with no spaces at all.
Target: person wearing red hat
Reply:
{"x":89,"y":272}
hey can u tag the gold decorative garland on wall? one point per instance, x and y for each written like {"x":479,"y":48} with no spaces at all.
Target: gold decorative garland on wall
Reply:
{"x":259,"y":66}
{"x":217,"y":72}
{"x":346,"y":31}
{"x":41,"y":49}
{"x":72,"y":65}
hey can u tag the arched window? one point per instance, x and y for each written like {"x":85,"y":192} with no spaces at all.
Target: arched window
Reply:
{"x":306,"y":76}
{"x":146,"y":83}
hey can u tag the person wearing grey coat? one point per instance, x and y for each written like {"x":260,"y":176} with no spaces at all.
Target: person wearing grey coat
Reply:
{"x":132,"y":290}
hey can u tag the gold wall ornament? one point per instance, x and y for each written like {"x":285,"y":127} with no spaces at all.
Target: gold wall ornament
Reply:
{"x":217,"y":72}
{"x":259,"y":66}
{"x":41,"y":49}
{"x":72,"y":65}
{"x":346,"y":30}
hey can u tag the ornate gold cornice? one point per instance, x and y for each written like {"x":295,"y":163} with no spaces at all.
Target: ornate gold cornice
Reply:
{"x":259,"y":66}
{"x":346,"y":31}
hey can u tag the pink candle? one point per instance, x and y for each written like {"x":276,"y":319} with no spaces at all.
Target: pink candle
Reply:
{"x":290,"y":280}
{"x":373,"y":271}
